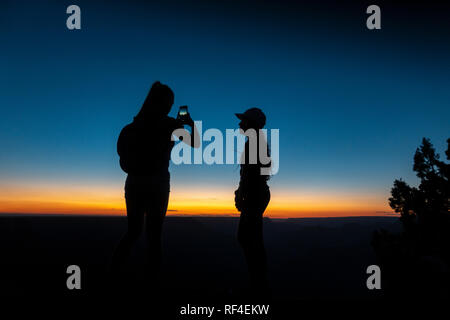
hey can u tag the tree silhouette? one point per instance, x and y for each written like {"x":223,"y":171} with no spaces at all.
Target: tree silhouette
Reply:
{"x":425,"y":210}
{"x":422,"y":251}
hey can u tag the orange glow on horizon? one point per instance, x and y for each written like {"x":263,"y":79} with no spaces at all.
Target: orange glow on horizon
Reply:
{"x":102,"y":200}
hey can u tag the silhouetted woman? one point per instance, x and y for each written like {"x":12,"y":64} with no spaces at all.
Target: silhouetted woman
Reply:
{"x":144,"y":147}
{"x":252,"y":198}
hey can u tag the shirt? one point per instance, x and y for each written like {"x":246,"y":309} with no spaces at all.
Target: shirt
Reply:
{"x":144,"y":147}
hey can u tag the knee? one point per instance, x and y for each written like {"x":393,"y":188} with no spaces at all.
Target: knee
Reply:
{"x":240,"y":239}
{"x":134,"y":233}
{"x":244,"y":239}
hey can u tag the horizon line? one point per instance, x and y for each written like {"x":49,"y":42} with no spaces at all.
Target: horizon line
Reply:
{"x":46,"y":214}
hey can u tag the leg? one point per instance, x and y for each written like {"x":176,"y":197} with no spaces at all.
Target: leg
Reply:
{"x":156,"y":212}
{"x":250,"y":236}
{"x":251,"y":240}
{"x":135,"y":217}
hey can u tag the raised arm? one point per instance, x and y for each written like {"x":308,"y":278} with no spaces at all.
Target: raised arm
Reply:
{"x":190,"y":138}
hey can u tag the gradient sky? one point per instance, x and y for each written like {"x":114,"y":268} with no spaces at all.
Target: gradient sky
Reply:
{"x":351,"y":104}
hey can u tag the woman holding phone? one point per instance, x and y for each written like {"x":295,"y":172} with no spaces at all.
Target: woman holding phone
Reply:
{"x":144,"y":147}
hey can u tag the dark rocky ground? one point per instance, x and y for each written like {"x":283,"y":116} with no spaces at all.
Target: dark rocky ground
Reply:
{"x":317,"y":258}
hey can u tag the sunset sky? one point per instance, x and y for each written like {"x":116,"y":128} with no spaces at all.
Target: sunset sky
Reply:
{"x":351,"y":104}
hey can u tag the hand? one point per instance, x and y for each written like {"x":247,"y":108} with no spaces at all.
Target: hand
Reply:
{"x":186,"y":119}
{"x":238,"y":200}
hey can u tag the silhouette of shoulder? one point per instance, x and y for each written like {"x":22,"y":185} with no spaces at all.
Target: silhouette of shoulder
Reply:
{"x":144,"y":146}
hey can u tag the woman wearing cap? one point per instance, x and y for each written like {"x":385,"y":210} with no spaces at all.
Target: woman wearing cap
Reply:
{"x":253,"y":196}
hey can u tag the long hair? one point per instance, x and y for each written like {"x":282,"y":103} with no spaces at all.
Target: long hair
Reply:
{"x":261,"y":141}
{"x":158,"y":103}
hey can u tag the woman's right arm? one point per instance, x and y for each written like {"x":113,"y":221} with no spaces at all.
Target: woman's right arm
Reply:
{"x":190,"y":138}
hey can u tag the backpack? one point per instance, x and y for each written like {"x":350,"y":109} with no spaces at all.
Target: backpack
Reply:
{"x":125,"y":150}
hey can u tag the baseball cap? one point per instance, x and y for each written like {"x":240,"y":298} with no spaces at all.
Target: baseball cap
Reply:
{"x":254,"y":115}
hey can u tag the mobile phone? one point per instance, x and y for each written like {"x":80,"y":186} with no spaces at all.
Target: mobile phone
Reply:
{"x":183,"y":111}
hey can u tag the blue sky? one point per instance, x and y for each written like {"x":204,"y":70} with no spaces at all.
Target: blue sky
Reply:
{"x":351,"y":105}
